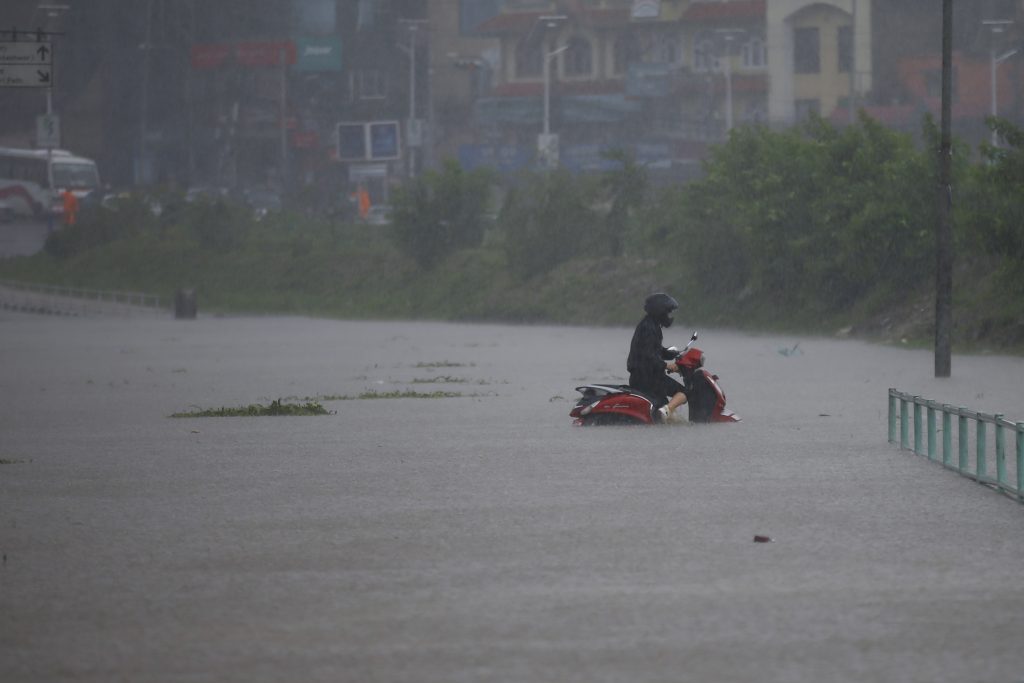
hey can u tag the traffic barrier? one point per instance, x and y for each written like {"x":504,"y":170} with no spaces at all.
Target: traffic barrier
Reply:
{"x":925,"y":430}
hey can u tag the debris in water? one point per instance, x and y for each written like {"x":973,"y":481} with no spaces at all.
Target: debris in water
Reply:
{"x":795,"y":351}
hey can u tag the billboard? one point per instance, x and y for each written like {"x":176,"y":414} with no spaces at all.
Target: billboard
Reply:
{"x":368,"y":141}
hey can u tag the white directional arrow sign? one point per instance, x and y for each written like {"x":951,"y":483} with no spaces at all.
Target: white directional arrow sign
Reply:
{"x":25,"y":53}
{"x":26,"y":76}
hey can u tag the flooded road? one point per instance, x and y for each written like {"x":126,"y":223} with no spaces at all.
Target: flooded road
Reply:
{"x":480,"y":537}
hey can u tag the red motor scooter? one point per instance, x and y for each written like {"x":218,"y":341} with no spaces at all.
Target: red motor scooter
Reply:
{"x":619,"y":404}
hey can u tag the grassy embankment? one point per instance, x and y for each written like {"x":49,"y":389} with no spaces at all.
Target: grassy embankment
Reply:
{"x":291,"y":265}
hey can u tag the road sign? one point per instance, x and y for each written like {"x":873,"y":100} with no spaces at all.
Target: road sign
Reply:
{"x":26,"y":75}
{"x":48,"y":130}
{"x":25,"y":53}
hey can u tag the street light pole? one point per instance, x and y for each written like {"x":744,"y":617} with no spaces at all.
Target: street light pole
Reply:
{"x":546,"y":145}
{"x":52,"y":11}
{"x":728,"y":35}
{"x":547,"y":86}
{"x":728,"y":87}
{"x":412,"y":96}
{"x":413,"y":131}
{"x":997,"y":27}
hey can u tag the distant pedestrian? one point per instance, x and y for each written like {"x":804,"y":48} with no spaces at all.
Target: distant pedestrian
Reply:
{"x":70,"y":207}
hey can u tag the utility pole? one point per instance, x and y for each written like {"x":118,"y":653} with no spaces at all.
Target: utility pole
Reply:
{"x":997,"y":27}
{"x":283,"y":53}
{"x":944,"y":232}
{"x":853,"y":64}
{"x":142,"y":173}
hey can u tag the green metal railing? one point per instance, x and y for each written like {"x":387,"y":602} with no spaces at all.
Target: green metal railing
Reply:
{"x":958,"y":441}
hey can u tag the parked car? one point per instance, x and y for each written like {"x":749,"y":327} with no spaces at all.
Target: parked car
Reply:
{"x":206,"y":193}
{"x":262,"y":200}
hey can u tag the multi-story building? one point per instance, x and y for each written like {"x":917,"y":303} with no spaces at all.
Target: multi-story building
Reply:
{"x":238,"y":92}
{"x":819,"y":57}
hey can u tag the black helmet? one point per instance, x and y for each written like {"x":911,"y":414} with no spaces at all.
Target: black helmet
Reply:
{"x":660,"y":307}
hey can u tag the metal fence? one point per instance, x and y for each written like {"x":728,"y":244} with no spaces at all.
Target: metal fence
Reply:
{"x":971,"y":435}
{"x":27,"y":296}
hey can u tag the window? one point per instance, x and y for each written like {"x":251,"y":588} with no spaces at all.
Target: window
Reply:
{"x":626,"y":52}
{"x":807,"y":108}
{"x":77,"y":176}
{"x":668,"y":50}
{"x":704,"y":55}
{"x":368,"y":84}
{"x":579,"y":57}
{"x":806,"y":51}
{"x":529,"y":59}
{"x":754,"y":53}
{"x":844,"y":39}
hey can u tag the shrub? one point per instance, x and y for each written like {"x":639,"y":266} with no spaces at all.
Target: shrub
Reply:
{"x":439,"y":212}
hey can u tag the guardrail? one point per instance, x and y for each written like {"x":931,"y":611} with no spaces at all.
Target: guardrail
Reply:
{"x":74,"y":300}
{"x":959,"y":443}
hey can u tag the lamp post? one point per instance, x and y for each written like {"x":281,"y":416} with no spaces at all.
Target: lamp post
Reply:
{"x":53,"y":11}
{"x":997,"y":27}
{"x":728,"y":35}
{"x":413,"y":131}
{"x":547,"y":86}
{"x":546,"y":142}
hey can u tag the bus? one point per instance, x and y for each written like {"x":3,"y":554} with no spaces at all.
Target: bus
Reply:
{"x":32,"y":180}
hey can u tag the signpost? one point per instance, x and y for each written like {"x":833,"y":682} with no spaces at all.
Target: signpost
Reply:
{"x":26,"y":65}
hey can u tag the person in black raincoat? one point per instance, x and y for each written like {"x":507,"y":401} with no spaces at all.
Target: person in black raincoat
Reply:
{"x":649,"y":362}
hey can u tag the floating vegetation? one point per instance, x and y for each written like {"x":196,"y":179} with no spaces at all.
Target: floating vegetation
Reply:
{"x":275,"y":408}
{"x":444,"y":364}
{"x":409,"y":394}
{"x":443,"y":379}
{"x":11,"y":461}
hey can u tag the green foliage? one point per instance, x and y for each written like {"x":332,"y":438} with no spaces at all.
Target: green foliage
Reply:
{"x":811,"y":228}
{"x":439,"y":212}
{"x":625,"y":187}
{"x":811,"y":218}
{"x":100,"y":225}
{"x":995,"y":207}
{"x":547,"y":219}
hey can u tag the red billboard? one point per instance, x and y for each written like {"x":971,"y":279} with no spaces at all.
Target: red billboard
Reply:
{"x":248,"y":54}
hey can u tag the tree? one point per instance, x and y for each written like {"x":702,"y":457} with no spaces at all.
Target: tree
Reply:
{"x":625,"y":187}
{"x":547,"y":219}
{"x":441,"y":211}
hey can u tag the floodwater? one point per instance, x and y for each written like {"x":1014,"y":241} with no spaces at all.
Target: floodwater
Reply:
{"x":481,"y":537}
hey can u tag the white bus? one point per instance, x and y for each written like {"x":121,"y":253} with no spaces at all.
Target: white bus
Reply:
{"x":31,"y":181}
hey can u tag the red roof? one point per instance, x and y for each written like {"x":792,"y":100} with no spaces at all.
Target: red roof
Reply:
{"x":724,"y":10}
{"x":522,"y":22}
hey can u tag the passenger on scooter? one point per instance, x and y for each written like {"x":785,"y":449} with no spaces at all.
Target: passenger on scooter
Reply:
{"x":649,"y":361}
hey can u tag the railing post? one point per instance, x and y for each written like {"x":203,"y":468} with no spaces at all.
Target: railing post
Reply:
{"x":1000,"y":451}
{"x":917,"y":426}
{"x":963,"y":439}
{"x":931,"y":430}
{"x":892,"y":417}
{"x":947,"y":437}
{"x":1020,"y":461}
{"x":981,"y":462}
{"x":904,"y":423}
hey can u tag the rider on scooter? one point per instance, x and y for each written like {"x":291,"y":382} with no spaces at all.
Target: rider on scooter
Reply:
{"x":649,"y":361}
